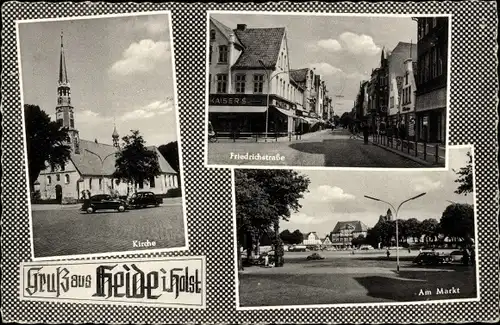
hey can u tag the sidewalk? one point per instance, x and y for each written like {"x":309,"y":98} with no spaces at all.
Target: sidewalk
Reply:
{"x":305,"y":136}
{"x":428,"y":162}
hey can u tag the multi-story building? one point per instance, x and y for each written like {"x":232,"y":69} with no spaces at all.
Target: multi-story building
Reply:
{"x":379,"y":92}
{"x":345,"y":231}
{"x":307,"y":110}
{"x":312,"y":238}
{"x":250,"y":81}
{"x":398,"y":75}
{"x":408,"y":98}
{"x":432,"y":78}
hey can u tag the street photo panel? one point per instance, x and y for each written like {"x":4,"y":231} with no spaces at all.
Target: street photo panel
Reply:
{"x":311,"y":238}
{"x":326,"y":90}
{"x":103,"y":157}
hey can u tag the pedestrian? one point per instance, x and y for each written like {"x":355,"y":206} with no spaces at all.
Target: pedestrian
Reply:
{"x":388,"y":253}
{"x":365,"y":132}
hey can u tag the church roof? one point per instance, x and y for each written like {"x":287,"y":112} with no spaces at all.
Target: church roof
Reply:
{"x":357,"y":225}
{"x":260,"y":44}
{"x":88,"y":164}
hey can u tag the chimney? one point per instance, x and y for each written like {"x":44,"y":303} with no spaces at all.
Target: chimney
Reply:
{"x":241,"y":27}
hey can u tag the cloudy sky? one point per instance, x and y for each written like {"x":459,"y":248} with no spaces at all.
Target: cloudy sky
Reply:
{"x":119,"y":68}
{"x":339,"y":195}
{"x":342,"y":49}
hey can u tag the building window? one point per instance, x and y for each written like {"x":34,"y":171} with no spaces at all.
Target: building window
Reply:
{"x":49,"y":180}
{"x":90,"y":183}
{"x":152,"y":182}
{"x":58,"y":177}
{"x":72,"y":123}
{"x":408,"y":95}
{"x":439,"y":61}
{"x":59,"y":100}
{"x":221,"y":83}
{"x":63,"y":168}
{"x":141,"y":184}
{"x":66,"y":179}
{"x":240,"y":83}
{"x":434,"y":22}
{"x":212,"y":34}
{"x":209,"y":83}
{"x":210,"y":54}
{"x":100,"y":183}
{"x":258,"y":83}
{"x":222,"y":53}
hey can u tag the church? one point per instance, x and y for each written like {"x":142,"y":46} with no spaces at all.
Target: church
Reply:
{"x":91,"y":164}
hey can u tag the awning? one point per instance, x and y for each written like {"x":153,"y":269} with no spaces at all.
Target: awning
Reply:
{"x":285,"y":112}
{"x":236,"y":109}
{"x":309,"y":120}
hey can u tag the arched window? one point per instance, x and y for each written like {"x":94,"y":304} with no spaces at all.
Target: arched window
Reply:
{"x":49,"y":180}
{"x":66,"y":179}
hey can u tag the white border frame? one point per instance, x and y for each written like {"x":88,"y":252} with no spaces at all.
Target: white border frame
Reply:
{"x":270,"y":13}
{"x":362,"y":304}
{"x":185,"y":247}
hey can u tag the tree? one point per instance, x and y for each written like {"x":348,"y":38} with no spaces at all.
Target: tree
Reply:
{"x":465,"y":178}
{"x":297,"y":237}
{"x":358,"y":241}
{"x":457,"y":221}
{"x":413,"y":229}
{"x":429,"y":228}
{"x":263,"y":199}
{"x":291,"y":238}
{"x":135,"y":163}
{"x":170,"y":152}
{"x":345,"y":119}
{"x":45,"y":142}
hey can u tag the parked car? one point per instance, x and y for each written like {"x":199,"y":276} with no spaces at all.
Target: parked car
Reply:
{"x":143,"y":199}
{"x":456,"y":256}
{"x":366,"y":247}
{"x":315,"y":256}
{"x":431,"y":258}
{"x":103,"y":202}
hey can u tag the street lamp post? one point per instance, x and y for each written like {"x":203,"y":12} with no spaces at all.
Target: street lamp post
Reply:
{"x":102,"y":164}
{"x":396,"y":213}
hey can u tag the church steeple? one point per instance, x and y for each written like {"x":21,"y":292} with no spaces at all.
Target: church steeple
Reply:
{"x":64,"y":109}
{"x":115,"y":137}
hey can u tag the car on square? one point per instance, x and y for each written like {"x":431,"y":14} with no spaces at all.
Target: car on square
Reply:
{"x":103,"y":202}
{"x":144,"y":199}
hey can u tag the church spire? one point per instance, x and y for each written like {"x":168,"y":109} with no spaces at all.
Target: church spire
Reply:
{"x":63,"y":75}
{"x":115,"y":137}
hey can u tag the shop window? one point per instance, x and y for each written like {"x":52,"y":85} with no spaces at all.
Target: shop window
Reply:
{"x":240,"y":83}
{"x":152,"y":182}
{"x":258,"y":83}
{"x":222,"y":53}
{"x":49,"y":180}
{"x":221,"y":83}
{"x":66,"y":179}
{"x":212,"y":34}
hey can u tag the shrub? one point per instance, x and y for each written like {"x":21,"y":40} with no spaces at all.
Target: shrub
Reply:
{"x":174,"y":192}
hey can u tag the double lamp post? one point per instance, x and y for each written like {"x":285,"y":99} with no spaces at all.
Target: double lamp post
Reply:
{"x":396,"y":216}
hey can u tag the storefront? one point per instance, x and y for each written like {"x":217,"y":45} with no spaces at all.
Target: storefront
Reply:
{"x":248,"y":113}
{"x":431,"y":116}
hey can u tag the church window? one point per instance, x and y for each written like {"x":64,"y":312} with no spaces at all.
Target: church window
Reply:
{"x":66,"y":179}
{"x":58,"y":177}
{"x":49,"y":180}
{"x":152,"y":182}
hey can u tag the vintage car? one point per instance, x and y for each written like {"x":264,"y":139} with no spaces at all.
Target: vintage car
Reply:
{"x":457,"y":256}
{"x":431,"y":258}
{"x":103,"y":202}
{"x":315,"y":256}
{"x":143,"y":199}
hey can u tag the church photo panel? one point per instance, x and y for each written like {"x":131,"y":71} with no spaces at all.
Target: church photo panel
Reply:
{"x":102,"y":140}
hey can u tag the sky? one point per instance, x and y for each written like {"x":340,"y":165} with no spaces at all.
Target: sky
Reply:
{"x":119,"y":68}
{"x":343,"y":49}
{"x":336,"y":195}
